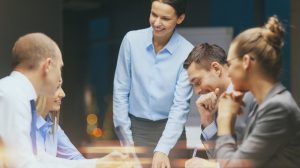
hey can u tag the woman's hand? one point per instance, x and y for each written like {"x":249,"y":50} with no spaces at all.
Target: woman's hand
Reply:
{"x":230,"y":105}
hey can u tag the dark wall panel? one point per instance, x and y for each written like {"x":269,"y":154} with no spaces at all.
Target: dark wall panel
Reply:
{"x":20,"y":17}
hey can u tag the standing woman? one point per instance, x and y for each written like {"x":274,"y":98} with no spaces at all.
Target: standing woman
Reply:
{"x":151,"y":87}
{"x":50,"y":137}
{"x":272,"y":137}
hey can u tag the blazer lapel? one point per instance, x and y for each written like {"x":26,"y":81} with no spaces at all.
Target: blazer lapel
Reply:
{"x":277,"y":88}
{"x":252,"y":116}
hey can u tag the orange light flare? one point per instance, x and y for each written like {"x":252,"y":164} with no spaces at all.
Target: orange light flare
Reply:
{"x":97,"y":132}
{"x":92,"y":119}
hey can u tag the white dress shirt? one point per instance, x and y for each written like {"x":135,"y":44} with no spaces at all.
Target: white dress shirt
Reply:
{"x":16,"y":91}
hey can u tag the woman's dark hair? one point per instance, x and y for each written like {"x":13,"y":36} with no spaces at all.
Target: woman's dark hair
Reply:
{"x":179,"y":5}
{"x":265,"y":44}
{"x":204,"y":54}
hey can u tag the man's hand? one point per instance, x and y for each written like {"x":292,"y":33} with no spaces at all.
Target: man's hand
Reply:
{"x":114,"y":160}
{"x":207,"y":106}
{"x":160,"y":160}
{"x":196,"y":162}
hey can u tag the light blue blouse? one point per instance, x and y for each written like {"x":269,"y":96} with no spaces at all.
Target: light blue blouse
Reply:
{"x":57,"y":145}
{"x":152,"y":85}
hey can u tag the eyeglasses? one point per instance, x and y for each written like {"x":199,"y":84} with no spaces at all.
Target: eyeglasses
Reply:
{"x":228,"y":61}
{"x":232,"y":59}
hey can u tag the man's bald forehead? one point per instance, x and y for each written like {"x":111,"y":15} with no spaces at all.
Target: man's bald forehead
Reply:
{"x":31,"y":48}
{"x":33,"y":40}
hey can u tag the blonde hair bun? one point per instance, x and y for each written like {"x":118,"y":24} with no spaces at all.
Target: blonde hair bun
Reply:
{"x":274,"y":32}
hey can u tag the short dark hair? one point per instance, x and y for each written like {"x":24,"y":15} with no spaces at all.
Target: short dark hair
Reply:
{"x":179,"y":5}
{"x":204,"y":54}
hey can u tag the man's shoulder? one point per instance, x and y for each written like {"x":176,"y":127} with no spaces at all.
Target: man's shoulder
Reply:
{"x":7,"y":93}
{"x":5,"y":84}
{"x":10,"y":87}
{"x":4,"y":79}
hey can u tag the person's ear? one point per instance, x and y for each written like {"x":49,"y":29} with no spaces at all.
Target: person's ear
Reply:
{"x":180,"y":18}
{"x":216,"y":67}
{"x":247,"y":62}
{"x":46,"y":65}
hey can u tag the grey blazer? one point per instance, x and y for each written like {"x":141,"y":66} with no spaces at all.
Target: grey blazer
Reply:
{"x":272,"y":138}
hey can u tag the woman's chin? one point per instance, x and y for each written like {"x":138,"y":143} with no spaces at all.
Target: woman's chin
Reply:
{"x":56,"y":109}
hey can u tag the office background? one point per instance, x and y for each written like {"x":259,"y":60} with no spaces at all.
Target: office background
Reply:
{"x":89,"y":33}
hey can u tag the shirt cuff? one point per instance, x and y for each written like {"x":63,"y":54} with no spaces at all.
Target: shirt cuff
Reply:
{"x":162,"y":148}
{"x":209,"y":131}
{"x":131,"y":141}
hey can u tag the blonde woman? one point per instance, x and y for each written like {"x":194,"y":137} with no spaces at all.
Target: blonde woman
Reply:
{"x":272,"y":137}
{"x":50,"y":137}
